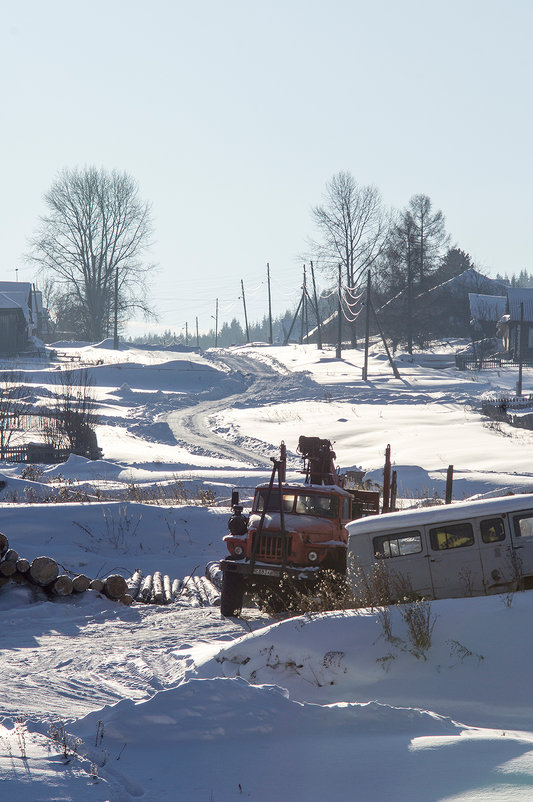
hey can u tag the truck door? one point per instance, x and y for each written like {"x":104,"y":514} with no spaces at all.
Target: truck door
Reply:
{"x":521,"y":525}
{"x":454,"y":561}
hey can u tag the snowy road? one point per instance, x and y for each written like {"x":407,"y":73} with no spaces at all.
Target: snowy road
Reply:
{"x":260,"y":380}
{"x":118,"y":653}
{"x":260,"y":384}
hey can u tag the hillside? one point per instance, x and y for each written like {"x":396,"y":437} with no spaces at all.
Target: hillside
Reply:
{"x":107,"y":702}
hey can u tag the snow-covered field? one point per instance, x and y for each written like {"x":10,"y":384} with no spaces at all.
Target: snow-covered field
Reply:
{"x":106,"y":702}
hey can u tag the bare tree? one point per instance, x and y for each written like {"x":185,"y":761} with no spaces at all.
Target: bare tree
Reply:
{"x":13,"y":417}
{"x":93,"y":241}
{"x":71,"y":420}
{"x":352,"y":224}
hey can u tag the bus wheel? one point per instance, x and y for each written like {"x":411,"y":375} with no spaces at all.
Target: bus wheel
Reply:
{"x":232,"y":593}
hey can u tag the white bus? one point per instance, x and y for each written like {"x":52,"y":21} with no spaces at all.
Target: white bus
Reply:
{"x":469,"y":548}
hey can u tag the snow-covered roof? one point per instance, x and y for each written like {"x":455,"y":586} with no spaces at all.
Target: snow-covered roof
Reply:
{"x":445,"y":513}
{"x":517,"y":296}
{"x":487,"y":307}
{"x":15,"y":300}
{"x":469,"y":280}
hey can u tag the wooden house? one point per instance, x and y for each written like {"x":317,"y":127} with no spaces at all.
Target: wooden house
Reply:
{"x":516,"y":326}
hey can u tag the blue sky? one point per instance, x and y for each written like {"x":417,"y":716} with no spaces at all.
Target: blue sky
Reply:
{"x":232,"y":116}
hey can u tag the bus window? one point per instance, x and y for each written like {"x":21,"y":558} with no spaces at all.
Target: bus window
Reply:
{"x":523,"y":524}
{"x":451,"y":536}
{"x":397,"y":545}
{"x":492,"y":530}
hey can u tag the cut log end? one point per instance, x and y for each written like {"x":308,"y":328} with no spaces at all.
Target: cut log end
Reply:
{"x":115,"y":586}
{"x":44,"y":571}
{"x":81,"y":583}
{"x":62,"y":586}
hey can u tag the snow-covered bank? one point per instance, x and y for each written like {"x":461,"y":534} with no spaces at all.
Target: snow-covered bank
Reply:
{"x":180,"y":704}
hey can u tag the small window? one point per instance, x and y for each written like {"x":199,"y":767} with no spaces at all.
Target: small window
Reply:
{"x":492,"y":530}
{"x":346,"y":512}
{"x":452,"y":536}
{"x":523,"y":524}
{"x":398,"y":545}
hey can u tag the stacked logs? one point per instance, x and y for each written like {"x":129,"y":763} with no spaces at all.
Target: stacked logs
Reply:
{"x":156,"y":588}
{"x":43,"y":573}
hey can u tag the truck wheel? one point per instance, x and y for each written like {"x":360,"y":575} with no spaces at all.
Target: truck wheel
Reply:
{"x":232,"y":593}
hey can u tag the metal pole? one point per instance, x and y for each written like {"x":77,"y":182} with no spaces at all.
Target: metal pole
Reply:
{"x":338,"y":352}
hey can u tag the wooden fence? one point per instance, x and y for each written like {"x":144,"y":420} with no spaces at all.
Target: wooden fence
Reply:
{"x":35,"y":453}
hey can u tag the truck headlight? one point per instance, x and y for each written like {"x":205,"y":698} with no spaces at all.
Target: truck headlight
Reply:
{"x":238,"y":550}
{"x":313,"y":556}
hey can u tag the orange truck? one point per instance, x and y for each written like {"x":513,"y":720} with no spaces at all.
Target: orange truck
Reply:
{"x":293,"y":530}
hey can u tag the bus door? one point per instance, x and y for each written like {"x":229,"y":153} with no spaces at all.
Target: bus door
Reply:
{"x":521,"y":525}
{"x":454,"y":561}
{"x":407,"y":562}
{"x":496,"y":553}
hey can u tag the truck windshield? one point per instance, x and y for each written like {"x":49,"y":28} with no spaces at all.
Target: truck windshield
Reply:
{"x":324,"y":506}
{"x":273,"y":501}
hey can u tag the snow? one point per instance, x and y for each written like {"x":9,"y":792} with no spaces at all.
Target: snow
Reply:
{"x":106,"y":702}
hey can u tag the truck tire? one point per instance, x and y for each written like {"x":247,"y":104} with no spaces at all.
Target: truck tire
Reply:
{"x":232,"y":593}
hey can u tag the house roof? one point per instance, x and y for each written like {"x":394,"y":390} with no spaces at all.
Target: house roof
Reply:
{"x":469,"y":280}
{"x":487,"y":307}
{"x":517,"y":296}
{"x":15,"y":300}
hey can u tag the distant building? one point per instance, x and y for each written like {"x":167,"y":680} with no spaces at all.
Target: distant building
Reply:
{"x":22,"y":316}
{"x":485,"y":312}
{"x":516,"y":325}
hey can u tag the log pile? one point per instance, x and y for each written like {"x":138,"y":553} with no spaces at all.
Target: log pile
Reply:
{"x":157,"y":588}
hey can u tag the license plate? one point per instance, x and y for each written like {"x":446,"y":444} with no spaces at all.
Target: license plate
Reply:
{"x":266,"y":571}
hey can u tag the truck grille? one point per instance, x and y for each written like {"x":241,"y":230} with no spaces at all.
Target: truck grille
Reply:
{"x":270,"y":546}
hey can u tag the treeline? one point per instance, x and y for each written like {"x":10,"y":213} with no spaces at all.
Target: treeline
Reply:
{"x":403,"y":256}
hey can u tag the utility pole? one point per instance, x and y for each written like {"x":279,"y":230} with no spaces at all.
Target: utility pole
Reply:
{"x":409,"y":295}
{"x":304,"y":311}
{"x":115,"y":326}
{"x":338,"y":352}
{"x":318,"y":327}
{"x":197,"y":335}
{"x":216,"y":323}
{"x":245,"y":315}
{"x":367,"y":327}
{"x":186,"y":333}
{"x":520,"y":350}
{"x":269,"y":306}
